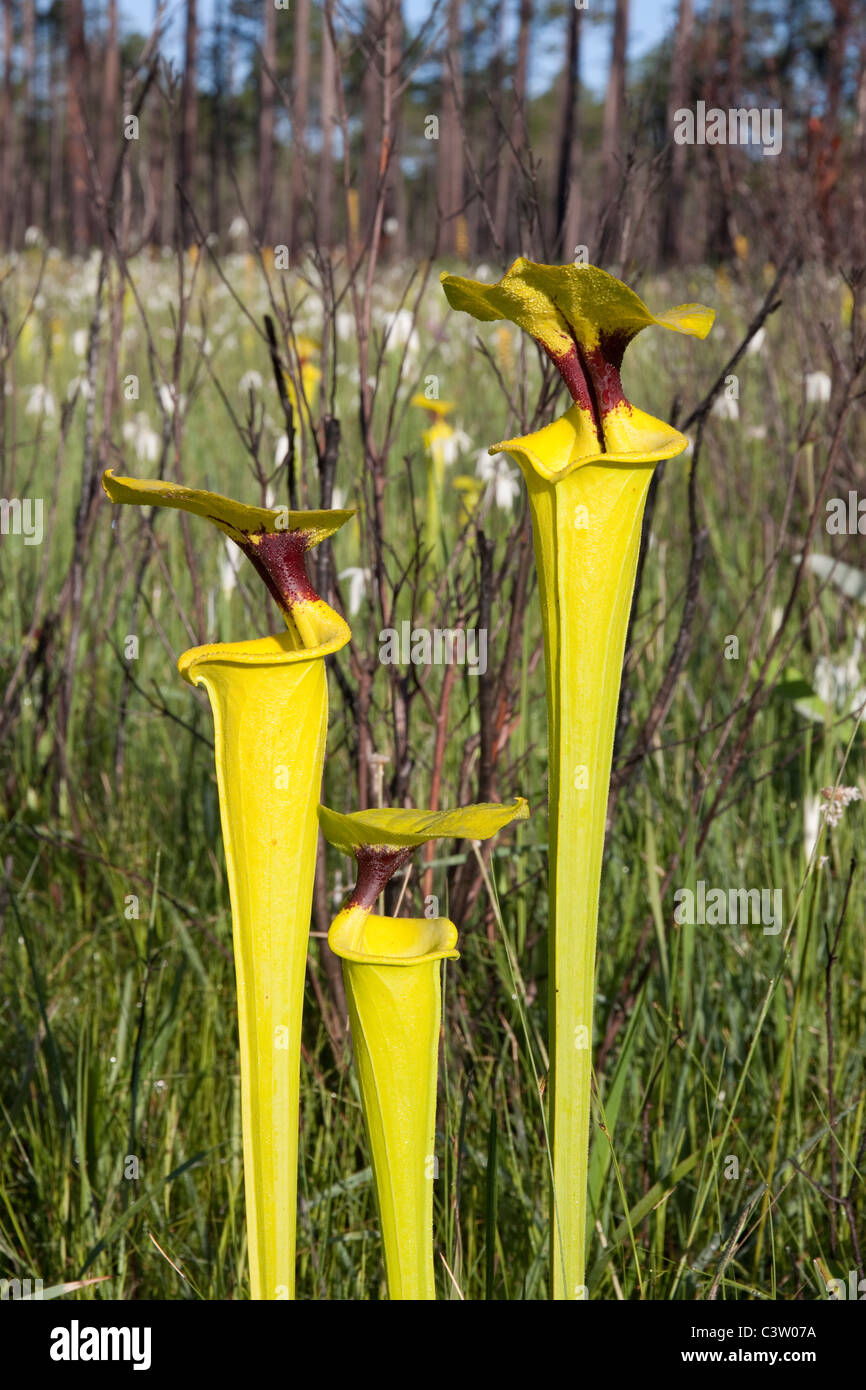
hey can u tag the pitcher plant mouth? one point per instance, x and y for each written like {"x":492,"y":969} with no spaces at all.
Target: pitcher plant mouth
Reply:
{"x":274,"y":539}
{"x":633,"y":438}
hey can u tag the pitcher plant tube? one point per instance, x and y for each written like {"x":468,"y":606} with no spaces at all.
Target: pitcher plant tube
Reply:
{"x":269,"y":699}
{"x":587,"y":475}
{"x":392,"y":973}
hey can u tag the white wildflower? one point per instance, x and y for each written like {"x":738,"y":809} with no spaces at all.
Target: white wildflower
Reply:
{"x":400,"y":333}
{"x":250,"y":381}
{"x":345,"y":321}
{"x":358,"y":581}
{"x":238,"y":228}
{"x":33,"y":237}
{"x":757,"y":342}
{"x":169,"y":401}
{"x":282,"y":449}
{"x":40,"y":402}
{"x":230,"y":563}
{"x":726,"y":408}
{"x":144,"y":440}
{"x":835,"y":801}
{"x":503,"y":480}
{"x":81,"y":385}
{"x":80,"y":339}
{"x":818,"y":387}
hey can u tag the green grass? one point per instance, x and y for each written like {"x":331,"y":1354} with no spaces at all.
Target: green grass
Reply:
{"x":119,"y":1031}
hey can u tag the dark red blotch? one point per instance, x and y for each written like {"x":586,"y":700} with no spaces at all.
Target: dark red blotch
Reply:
{"x":376,"y":865}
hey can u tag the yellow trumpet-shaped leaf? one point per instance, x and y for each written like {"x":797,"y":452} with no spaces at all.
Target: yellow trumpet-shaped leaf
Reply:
{"x":269,"y":699}
{"x":395,"y":1011}
{"x":587,"y":475}
{"x":391,"y":967}
{"x":274,"y":539}
{"x":270,"y":706}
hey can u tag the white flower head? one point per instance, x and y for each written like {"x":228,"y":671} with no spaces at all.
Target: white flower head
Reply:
{"x":358,"y":581}
{"x":818,"y":387}
{"x":33,"y":237}
{"x":80,"y":339}
{"x":81,"y":385}
{"x":756,"y":343}
{"x":40,"y":402}
{"x":726,"y":408}
{"x":400,"y":333}
{"x":504,"y":480}
{"x":238,"y":228}
{"x":169,"y":401}
{"x":250,"y":381}
{"x":230,"y":563}
{"x":345,"y":321}
{"x":144,"y":440}
{"x":835,"y":800}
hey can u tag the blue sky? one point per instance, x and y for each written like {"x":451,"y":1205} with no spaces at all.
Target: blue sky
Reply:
{"x":649,"y":21}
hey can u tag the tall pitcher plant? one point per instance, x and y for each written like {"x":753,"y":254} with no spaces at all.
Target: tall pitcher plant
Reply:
{"x":269,"y":699}
{"x":587,"y":476}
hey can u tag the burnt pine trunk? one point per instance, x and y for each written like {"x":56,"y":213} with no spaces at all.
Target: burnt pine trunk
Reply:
{"x":267,"y":98}
{"x":110,"y":133}
{"x":7,"y":128}
{"x":217,"y":141}
{"x":189,"y":123}
{"x":614,"y":107}
{"x":673,"y":221}
{"x":508,"y":167}
{"x":300,"y":111}
{"x":31,"y":139}
{"x":327,"y":109}
{"x":450,"y":165}
{"x":76,"y":146}
{"x":567,"y":210}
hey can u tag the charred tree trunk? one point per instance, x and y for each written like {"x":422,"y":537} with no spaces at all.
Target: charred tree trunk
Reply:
{"x":612,"y":125}
{"x":300,"y":110}
{"x":328,"y":108}
{"x":450,"y":170}
{"x":509,"y":166}
{"x":567,"y":211}
{"x":267,"y":98}
{"x":76,"y":134}
{"x":189,"y":123}
{"x":673,"y":222}
{"x":110,"y":133}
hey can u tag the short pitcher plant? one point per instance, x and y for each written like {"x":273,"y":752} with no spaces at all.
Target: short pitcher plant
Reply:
{"x":269,"y":699}
{"x":392,"y":972}
{"x":587,"y":475}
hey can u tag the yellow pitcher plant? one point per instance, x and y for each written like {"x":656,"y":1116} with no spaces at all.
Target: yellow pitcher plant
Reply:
{"x":269,"y":699}
{"x":439,"y":451}
{"x":587,"y":476}
{"x":392,"y":968}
